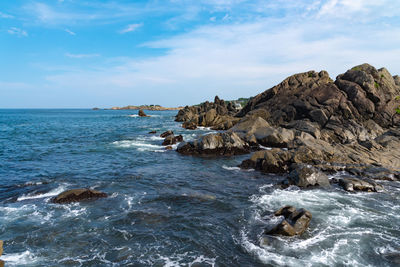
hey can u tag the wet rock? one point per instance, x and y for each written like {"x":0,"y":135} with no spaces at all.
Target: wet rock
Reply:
{"x":295,"y":222}
{"x":355,"y":184}
{"x":165,"y":134}
{"x":168,"y":148}
{"x":393,"y":257}
{"x":142,"y":114}
{"x":189,"y":125}
{"x":77,"y":195}
{"x":269,"y":161}
{"x":305,"y":176}
{"x":171,"y":140}
{"x":152,"y":132}
{"x":226,"y":144}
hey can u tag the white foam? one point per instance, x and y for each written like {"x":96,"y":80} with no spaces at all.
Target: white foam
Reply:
{"x":140,"y":145}
{"x":265,"y":148}
{"x":17,"y":259}
{"x":230,"y":168}
{"x":51,"y":193}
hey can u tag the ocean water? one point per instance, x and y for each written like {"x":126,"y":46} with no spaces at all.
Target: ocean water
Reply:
{"x":165,"y":209}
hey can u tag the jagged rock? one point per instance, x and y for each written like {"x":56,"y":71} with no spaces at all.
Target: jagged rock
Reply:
{"x":77,"y":195}
{"x":171,"y":140}
{"x":305,"y":176}
{"x":226,"y":144}
{"x":190,"y":125}
{"x":142,"y":114}
{"x":165,"y":134}
{"x":355,"y":184}
{"x":216,"y":115}
{"x":295,"y":222}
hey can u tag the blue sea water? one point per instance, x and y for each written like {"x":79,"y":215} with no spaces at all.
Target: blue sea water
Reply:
{"x":165,"y":209}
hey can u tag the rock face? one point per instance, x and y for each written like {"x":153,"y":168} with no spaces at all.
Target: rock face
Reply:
{"x":142,"y":114}
{"x":305,"y":176}
{"x":77,"y":195}
{"x":224,"y":144}
{"x":217,"y":115}
{"x":357,"y":106}
{"x":295,"y":222}
{"x":353,"y":184}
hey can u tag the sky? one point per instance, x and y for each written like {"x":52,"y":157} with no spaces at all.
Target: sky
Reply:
{"x":83,"y":54}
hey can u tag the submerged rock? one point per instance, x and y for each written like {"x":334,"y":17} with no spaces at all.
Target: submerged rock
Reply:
{"x":142,"y":114}
{"x":152,"y":132}
{"x":77,"y":195}
{"x":354,"y":184}
{"x":295,"y":222}
{"x":226,"y":144}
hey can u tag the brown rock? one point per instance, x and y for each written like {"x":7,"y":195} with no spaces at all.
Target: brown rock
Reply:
{"x":189,"y":125}
{"x":165,"y":134}
{"x":77,"y":195}
{"x":152,"y":132}
{"x":355,"y":184}
{"x":142,"y":114}
{"x":295,"y":222}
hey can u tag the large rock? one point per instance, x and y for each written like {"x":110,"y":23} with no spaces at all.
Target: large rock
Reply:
{"x":77,"y":195}
{"x":354,"y":184}
{"x":295,"y":222}
{"x":171,"y":140}
{"x":142,"y":114}
{"x":167,"y":133}
{"x":305,"y":176}
{"x":217,"y":115}
{"x":226,"y":144}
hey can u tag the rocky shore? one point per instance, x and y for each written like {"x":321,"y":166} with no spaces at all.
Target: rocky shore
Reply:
{"x":308,"y":126}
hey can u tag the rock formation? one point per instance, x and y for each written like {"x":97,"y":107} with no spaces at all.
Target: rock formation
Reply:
{"x":77,"y":195}
{"x":295,"y":222}
{"x":142,"y":114}
{"x":217,"y":115}
{"x":224,"y":144}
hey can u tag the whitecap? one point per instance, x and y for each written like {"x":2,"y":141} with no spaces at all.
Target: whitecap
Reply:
{"x":51,"y":193}
{"x":265,"y":148}
{"x":230,"y":168}
{"x":17,"y":259}
{"x":140,"y":145}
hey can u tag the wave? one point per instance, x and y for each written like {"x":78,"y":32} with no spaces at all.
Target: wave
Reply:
{"x":230,"y":168}
{"x":51,"y":193}
{"x":16,"y":259}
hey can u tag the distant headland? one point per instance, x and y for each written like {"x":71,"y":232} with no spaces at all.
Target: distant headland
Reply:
{"x":143,"y":107}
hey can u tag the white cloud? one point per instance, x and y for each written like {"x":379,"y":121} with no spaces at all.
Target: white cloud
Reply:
{"x":70,"y":32}
{"x":131,"y":28}
{"x":5,"y":16}
{"x":81,"y":55}
{"x":18,"y":32}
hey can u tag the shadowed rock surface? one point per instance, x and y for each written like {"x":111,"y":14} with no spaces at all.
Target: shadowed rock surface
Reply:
{"x":77,"y":195}
{"x":295,"y":222}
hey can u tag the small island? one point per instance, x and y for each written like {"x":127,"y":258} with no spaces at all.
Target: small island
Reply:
{"x":144,"y":107}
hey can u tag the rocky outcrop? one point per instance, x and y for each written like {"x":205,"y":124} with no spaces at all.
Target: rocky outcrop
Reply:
{"x":223,"y":144}
{"x":172,"y":139}
{"x":295,"y":222}
{"x":352,"y":184}
{"x":77,"y":195}
{"x":142,"y":114}
{"x":306,"y":176}
{"x":152,"y":132}
{"x":217,"y":115}
{"x":357,"y":106}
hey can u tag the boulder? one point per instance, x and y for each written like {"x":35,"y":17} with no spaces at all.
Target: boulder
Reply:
{"x":171,"y":139}
{"x":295,"y":222}
{"x":190,"y":125}
{"x":77,"y":195}
{"x":354,"y":184}
{"x":305,"y":176}
{"x":165,"y":134}
{"x":226,"y":144}
{"x":142,"y":114}
{"x":268,"y":161}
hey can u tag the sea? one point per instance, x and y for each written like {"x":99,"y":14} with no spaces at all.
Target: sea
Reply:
{"x":163,"y":208}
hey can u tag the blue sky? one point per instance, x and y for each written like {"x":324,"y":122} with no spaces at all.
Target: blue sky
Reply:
{"x":76,"y":53}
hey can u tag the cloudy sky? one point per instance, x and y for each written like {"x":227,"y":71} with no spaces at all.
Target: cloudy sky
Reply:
{"x":76,"y":53}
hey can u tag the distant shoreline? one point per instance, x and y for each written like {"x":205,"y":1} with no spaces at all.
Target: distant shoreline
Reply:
{"x":144,"y":107}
